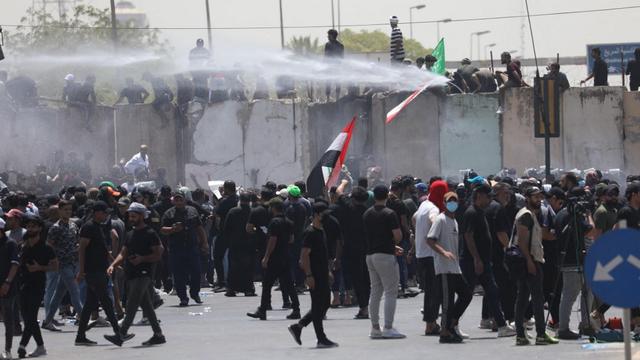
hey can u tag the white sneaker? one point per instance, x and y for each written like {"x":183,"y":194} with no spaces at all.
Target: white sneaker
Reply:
{"x":460,"y":333}
{"x":506,"y":331}
{"x":486,"y":324}
{"x":392,"y":334}
{"x":6,"y":355}
{"x":39,"y":351}
{"x":375,"y":333}
{"x":530,"y":324}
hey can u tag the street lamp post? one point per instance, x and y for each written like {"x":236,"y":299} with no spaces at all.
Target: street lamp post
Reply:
{"x":209,"y":25}
{"x":417,"y":7}
{"x":438,"y":27}
{"x":333,"y":16}
{"x":114,"y":24}
{"x":478,"y":34}
{"x":487,"y":47}
{"x":281,"y":27}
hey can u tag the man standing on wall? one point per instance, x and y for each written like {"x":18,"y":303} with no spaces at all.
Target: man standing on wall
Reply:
{"x":396,"y":48}
{"x":333,"y":53}
{"x":600,"y":72}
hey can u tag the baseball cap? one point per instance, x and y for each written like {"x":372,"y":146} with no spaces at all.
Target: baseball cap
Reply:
{"x":532,"y":190}
{"x":422,"y":187}
{"x":294,"y":191}
{"x":613,"y":190}
{"x":15,"y":213}
{"x":100,"y":206}
{"x":124,"y":201}
{"x":466,"y":61}
{"x":138,"y":208}
{"x":632,"y":188}
{"x":476,"y":180}
{"x":69,"y":77}
{"x":31,"y":218}
{"x":484,"y":188}
{"x":450,"y":195}
{"x":179,"y":193}
{"x":380,"y":191}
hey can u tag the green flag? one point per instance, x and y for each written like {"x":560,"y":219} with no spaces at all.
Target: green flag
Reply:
{"x":438,"y":53}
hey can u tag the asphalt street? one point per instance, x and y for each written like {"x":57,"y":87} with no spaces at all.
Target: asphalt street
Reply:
{"x":220,"y":329}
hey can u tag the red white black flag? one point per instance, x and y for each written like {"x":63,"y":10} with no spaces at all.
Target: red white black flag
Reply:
{"x":325,"y":173}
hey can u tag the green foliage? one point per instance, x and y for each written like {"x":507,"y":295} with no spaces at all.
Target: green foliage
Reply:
{"x":377,"y":41}
{"x":304,"y":46}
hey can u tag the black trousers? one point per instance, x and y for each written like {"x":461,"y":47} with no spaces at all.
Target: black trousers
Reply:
{"x":432,"y":290}
{"x":30,"y":300}
{"x":8,"y":304}
{"x":531,"y":285}
{"x":97,"y":295}
{"x":552,"y":277}
{"x":278,"y":269}
{"x":240,"y":277}
{"x":320,"y":301}
{"x":507,"y":292}
{"x":452,"y":307}
{"x":356,"y":265}
{"x":219,"y":251}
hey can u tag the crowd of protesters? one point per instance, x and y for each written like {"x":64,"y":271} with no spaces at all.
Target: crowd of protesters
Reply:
{"x":88,"y":249}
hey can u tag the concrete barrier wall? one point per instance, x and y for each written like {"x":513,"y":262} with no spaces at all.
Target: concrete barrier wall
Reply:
{"x":632,"y":132}
{"x":250,"y":143}
{"x":37,"y":133}
{"x":469,"y":134}
{"x":593,"y":128}
{"x":411,"y":143}
{"x":260,"y":141}
{"x":140,"y":124}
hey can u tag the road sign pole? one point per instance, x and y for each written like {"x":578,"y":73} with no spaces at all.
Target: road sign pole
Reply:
{"x":626,"y":318}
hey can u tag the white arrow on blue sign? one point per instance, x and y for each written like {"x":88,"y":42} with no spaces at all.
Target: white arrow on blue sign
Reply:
{"x":612,"y":268}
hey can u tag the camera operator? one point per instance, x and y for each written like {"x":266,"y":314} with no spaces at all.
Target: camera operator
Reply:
{"x":574,"y":226}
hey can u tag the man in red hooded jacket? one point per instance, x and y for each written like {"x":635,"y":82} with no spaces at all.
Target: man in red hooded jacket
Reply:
{"x":422,"y":220}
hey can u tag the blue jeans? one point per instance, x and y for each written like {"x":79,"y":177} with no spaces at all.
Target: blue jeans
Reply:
{"x":53,"y":278}
{"x":66,"y":282}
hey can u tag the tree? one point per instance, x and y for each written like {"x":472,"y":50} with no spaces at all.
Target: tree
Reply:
{"x":84,"y":36}
{"x":87,"y":27}
{"x":304,"y":46}
{"x":377,"y":41}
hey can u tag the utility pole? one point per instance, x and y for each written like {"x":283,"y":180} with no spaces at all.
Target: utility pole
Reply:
{"x":333,"y":16}
{"x":209,"y":25}
{"x":114,"y":30}
{"x":281,"y":27}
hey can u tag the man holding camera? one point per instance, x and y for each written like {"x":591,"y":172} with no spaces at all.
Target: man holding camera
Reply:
{"x":574,"y":227}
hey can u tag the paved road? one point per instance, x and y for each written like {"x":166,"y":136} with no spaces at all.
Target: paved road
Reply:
{"x":220,"y":329}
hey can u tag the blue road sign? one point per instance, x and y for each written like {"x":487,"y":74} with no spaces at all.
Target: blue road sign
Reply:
{"x":611,"y":54}
{"x":612,"y":268}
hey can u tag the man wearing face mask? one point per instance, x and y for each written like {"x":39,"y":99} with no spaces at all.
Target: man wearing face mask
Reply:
{"x":443,"y":239}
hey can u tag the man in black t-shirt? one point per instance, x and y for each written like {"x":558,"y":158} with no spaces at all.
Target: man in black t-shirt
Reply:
{"x":141,"y":249}
{"x":37,"y":258}
{"x":314,"y":261}
{"x":276,"y":261}
{"x":94,"y":261}
{"x":633,"y":69}
{"x":600,"y":72}
{"x":631,"y":212}
{"x":182,"y":225}
{"x":475,"y":260}
{"x":354,"y":249}
{"x":134,"y":93}
{"x":9,"y":262}
{"x":228,"y":202}
{"x":382,"y":234}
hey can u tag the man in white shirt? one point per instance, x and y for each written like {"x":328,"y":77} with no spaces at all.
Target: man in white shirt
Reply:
{"x":422,"y":219}
{"x":443,"y":239}
{"x":138,"y":162}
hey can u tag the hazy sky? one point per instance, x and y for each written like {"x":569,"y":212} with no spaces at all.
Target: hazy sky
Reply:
{"x":566,"y":34}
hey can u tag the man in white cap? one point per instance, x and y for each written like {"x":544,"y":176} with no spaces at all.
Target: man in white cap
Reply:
{"x":142,"y":248}
{"x":70,"y":88}
{"x":396,"y":49}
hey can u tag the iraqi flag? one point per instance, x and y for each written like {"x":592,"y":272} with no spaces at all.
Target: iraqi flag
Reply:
{"x":325,"y":173}
{"x":396,"y":110}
